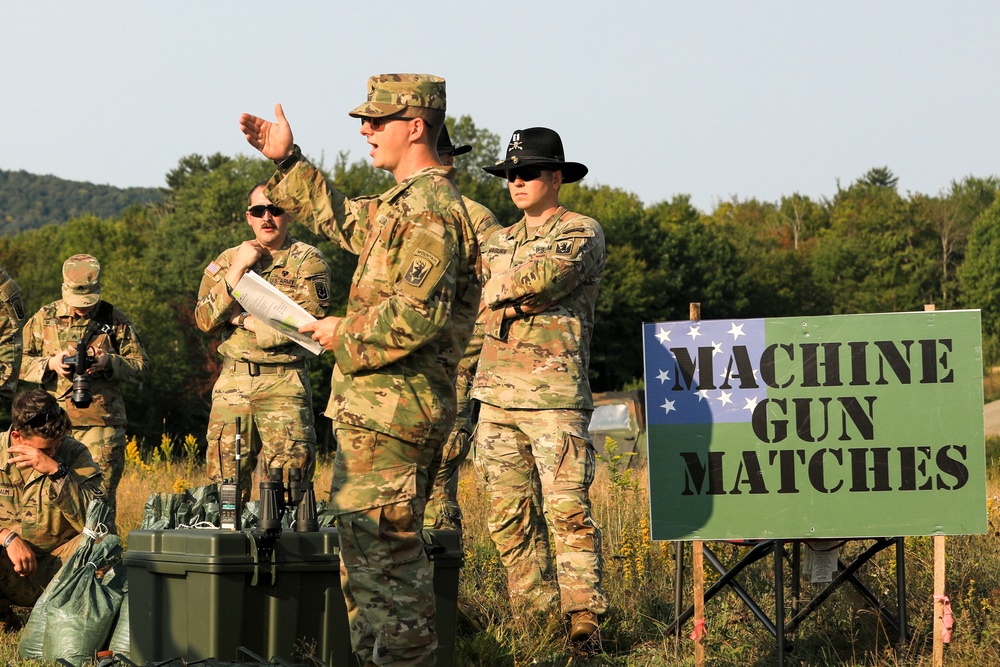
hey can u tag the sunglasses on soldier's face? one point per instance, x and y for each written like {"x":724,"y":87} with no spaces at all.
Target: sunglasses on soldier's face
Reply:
{"x":524,"y":173}
{"x":258,"y":210}
{"x":376,"y":122}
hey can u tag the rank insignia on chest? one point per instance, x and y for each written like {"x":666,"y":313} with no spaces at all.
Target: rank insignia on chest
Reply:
{"x":564,"y":247}
{"x":213,"y":269}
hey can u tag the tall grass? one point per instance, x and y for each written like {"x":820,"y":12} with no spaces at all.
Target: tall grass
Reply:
{"x":639,"y":582}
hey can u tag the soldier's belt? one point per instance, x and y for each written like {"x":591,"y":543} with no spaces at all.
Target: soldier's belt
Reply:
{"x":254,"y":370}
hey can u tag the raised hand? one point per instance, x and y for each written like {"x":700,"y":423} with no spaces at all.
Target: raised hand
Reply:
{"x":272,"y":139}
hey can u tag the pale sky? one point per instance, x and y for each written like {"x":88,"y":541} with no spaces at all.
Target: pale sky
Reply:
{"x":711,"y":99}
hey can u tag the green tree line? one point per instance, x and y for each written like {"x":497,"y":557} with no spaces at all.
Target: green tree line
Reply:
{"x":868,"y":248}
{"x":30,"y":201}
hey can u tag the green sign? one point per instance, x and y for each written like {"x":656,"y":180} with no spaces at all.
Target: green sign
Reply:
{"x":817,"y":427}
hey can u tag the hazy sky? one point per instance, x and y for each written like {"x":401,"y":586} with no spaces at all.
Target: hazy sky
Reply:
{"x":712,"y":99}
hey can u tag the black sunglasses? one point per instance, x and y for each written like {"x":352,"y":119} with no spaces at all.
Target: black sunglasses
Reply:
{"x":376,"y":122}
{"x":524,"y":173}
{"x":258,"y":210}
{"x":42,"y":418}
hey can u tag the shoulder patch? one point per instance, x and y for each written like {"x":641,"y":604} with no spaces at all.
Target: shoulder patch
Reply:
{"x":322,"y":289}
{"x":420,"y":265}
{"x":213,"y":269}
{"x":564,"y":247}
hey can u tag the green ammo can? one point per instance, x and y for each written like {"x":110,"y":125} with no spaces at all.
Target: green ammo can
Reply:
{"x":197,"y":594}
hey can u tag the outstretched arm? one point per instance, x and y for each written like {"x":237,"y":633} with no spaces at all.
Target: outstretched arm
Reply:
{"x":272,"y":139}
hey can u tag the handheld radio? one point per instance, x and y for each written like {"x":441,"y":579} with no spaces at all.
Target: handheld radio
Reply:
{"x":229,"y":491}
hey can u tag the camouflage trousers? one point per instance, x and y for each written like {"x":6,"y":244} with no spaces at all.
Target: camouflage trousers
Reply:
{"x":25,"y":591}
{"x":107,"y":448}
{"x":277,"y":421}
{"x":378,"y":494}
{"x":513,"y":449}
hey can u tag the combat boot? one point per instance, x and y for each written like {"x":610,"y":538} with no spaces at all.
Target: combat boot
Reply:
{"x":582,"y":625}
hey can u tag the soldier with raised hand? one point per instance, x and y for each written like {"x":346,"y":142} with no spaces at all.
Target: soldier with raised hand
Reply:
{"x":264,"y":378}
{"x":11,"y":320}
{"x":412,"y":305}
{"x":48,"y":479}
{"x":542,"y":278}
{"x":51,"y":335}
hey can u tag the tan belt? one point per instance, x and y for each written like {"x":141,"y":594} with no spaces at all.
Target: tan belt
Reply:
{"x":253,"y":370}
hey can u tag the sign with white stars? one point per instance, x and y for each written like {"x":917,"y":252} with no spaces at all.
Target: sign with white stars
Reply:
{"x":819,"y":427}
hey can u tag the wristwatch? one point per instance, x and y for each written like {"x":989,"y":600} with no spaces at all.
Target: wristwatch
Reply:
{"x":518,"y":310}
{"x":287,"y":163}
{"x":60,"y":473}
{"x":241,"y":319}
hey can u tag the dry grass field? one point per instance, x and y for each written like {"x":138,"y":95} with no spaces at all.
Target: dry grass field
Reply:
{"x":640,"y":583}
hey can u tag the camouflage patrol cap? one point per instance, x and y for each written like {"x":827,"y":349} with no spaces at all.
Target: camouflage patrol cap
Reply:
{"x":389,"y":94}
{"x":81,"y":281}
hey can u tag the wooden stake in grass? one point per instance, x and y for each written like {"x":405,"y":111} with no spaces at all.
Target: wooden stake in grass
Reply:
{"x":939,"y":574}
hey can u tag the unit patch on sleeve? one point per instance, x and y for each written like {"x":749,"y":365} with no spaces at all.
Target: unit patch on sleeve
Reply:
{"x":213,"y":269}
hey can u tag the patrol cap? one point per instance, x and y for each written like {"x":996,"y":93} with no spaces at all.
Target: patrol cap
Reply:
{"x":445,"y":147}
{"x":81,"y":281}
{"x":389,"y":94}
{"x":537,"y":147}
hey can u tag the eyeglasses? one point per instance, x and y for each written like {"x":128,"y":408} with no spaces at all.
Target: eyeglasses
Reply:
{"x":258,"y":210}
{"x":376,"y":122}
{"x":524,"y":173}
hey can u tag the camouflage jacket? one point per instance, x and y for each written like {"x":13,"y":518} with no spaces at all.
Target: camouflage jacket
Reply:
{"x":11,"y":319}
{"x":53,"y":328}
{"x":44,"y":512}
{"x":298,"y":270}
{"x":541,"y":360}
{"x":485,"y":225}
{"x":413,"y":297}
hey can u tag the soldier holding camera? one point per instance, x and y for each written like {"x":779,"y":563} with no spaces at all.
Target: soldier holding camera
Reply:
{"x":87,"y":381}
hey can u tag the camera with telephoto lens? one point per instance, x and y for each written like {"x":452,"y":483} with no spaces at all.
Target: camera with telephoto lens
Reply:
{"x":80,"y":363}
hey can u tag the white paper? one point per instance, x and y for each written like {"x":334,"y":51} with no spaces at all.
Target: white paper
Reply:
{"x":271,"y":306}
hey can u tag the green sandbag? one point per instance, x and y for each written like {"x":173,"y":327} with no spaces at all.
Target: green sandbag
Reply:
{"x":166,"y":511}
{"x":84,"y":604}
{"x":32,"y":640}
{"x":120,"y":635}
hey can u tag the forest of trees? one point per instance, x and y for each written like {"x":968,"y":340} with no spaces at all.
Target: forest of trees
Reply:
{"x":30,"y":201}
{"x":868,"y":248}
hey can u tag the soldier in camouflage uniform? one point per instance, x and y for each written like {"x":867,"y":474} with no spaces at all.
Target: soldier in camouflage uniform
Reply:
{"x":11,"y":319}
{"x":542,"y":277}
{"x":412,"y":304}
{"x":442,"y":511}
{"x":52,"y":334}
{"x":47,"y":479}
{"x":264,"y":378}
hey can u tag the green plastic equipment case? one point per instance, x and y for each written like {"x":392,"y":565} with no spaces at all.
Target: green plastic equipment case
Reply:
{"x":199,"y":594}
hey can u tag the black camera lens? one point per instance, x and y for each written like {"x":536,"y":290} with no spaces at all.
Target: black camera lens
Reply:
{"x":82,"y":396}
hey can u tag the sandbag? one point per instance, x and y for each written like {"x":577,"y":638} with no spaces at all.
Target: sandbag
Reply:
{"x":84,"y":604}
{"x":193,"y":508}
{"x":32,"y":640}
{"x":121,"y":637}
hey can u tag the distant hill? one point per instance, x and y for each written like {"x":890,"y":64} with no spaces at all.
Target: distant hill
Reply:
{"x":29,"y":201}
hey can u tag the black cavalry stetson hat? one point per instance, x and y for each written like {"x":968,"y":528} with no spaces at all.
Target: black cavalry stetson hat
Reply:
{"x":445,"y":147}
{"x":537,"y":147}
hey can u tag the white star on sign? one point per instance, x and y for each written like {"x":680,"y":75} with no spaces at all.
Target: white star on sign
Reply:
{"x":725,"y":397}
{"x":751,"y":404}
{"x":668,"y":406}
{"x":716,"y":348}
{"x":694,"y":332}
{"x":663,"y":376}
{"x":737,"y":331}
{"x":663,"y":336}
{"x":702,"y":395}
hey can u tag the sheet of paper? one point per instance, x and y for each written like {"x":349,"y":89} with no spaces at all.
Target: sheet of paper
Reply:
{"x":271,"y":306}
